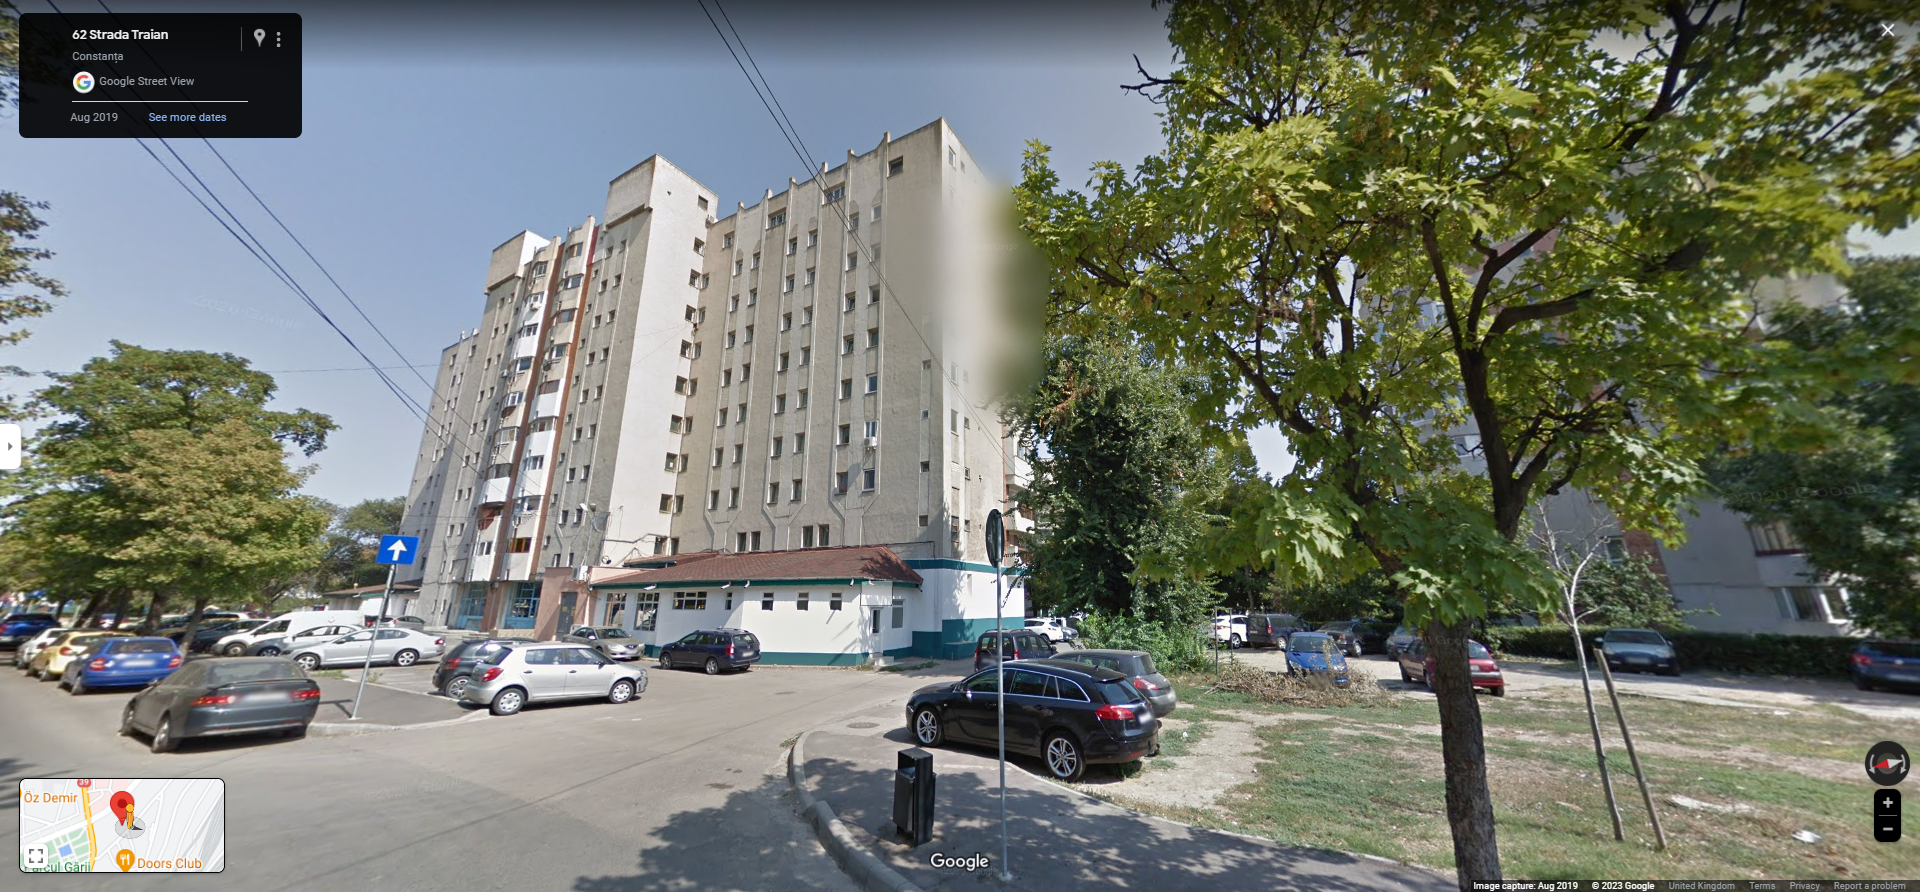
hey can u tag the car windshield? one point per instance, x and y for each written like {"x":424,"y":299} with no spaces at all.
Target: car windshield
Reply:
{"x":1477,"y":651}
{"x":143,"y":647}
{"x":229,"y":673}
{"x":1634,"y":636}
{"x":1310,"y":644}
{"x":612,"y":633}
{"x":1145,"y":662}
{"x":1907,"y":649}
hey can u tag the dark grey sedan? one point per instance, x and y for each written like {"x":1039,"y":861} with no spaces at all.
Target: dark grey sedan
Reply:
{"x":218,"y":697}
{"x":1638,"y":650}
{"x":1137,"y":666}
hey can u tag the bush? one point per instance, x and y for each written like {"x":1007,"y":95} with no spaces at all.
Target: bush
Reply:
{"x":1805,"y":656}
{"x":1175,"y":647}
{"x":1313,"y":691}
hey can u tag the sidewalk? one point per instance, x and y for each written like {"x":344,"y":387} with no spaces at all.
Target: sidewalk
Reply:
{"x":381,"y":709}
{"x":1059,"y":839}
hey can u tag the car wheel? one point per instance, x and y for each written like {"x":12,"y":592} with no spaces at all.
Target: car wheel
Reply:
{"x":269,"y":651}
{"x":926,"y":728}
{"x":1354,"y":651}
{"x":295,"y":733}
{"x":163,"y":741}
{"x":1861,"y":683}
{"x":1500,"y":691}
{"x":126,"y":720}
{"x":1404,"y":677}
{"x":406,"y":658}
{"x":1062,"y":755}
{"x":1234,"y":642}
{"x":457,"y":687}
{"x":236,"y":650}
{"x":621,"y":693}
{"x":308,"y":662}
{"x":1426,"y":678}
{"x":508,"y":702}
{"x":712,"y":666}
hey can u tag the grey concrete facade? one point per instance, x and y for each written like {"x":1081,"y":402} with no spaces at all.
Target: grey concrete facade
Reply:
{"x":814,"y":369}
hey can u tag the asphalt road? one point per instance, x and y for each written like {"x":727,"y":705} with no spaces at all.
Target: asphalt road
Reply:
{"x":682,"y":789}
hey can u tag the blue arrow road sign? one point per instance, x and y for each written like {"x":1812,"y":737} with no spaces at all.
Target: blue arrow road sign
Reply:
{"x":398,"y":549}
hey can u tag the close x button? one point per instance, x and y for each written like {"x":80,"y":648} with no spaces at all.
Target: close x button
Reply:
{"x":1886,"y":815}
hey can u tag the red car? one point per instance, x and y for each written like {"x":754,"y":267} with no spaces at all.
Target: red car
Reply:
{"x":1486,"y":672}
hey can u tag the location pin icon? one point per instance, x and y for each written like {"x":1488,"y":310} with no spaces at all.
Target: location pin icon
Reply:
{"x":259,"y":36}
{"x":124,"y":858}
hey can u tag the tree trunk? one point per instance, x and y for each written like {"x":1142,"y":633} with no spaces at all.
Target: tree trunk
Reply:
{"x":193,"y":623}
{"x":1476,"y":851}
{"x":121,"y":599}
{"x":90,"y":612}
{"x":153,"y":615}
{"x":60,"y":610}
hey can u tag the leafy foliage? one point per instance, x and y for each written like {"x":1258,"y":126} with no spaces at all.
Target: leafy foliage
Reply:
{"x":1120,"y":487}
{"x":1629,"y":594}
{"x":1853,"y":499}
{"x":1367,"y":596}
{"x":1803,"y":656}
{"x":1175,"y":647}
{"x":1376,"y":222}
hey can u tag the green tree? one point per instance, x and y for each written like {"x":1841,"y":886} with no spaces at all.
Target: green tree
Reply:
{"x":1853,"y":500}
{"x":1120,"y":485}
{"x":1368,"y":596}
{"x":25,"y":291}
{"x":1628,"y":592}
{"x":1375,"y":222}
{"x":70,"y":515}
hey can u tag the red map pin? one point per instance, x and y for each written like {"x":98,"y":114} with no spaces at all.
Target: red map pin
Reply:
{"x":121,"y":803}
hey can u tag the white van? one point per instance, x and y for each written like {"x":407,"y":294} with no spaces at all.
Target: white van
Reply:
{"x":287,"y":625}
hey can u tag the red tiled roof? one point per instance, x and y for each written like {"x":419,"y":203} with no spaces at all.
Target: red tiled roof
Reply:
{"x":371,"y":590}
{"x":876,"y":562}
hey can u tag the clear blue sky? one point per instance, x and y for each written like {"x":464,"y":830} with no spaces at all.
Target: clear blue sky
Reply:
{"x":432,"y":136}
{"x":436,"y":132}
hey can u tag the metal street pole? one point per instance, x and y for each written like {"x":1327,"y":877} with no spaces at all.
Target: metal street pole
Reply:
{"x":373,"y":635}
{"x":1000,"y":682}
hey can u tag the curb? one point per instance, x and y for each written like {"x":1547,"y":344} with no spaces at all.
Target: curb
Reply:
{"x":347,"y":728}
{"x":868,"y":871}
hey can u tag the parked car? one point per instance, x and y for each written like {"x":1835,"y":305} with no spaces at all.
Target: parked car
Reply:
{"x":1357,"y":636}
{"x":1317,"y":655}
{"x":121,"y":663}
{"x":19,"y":628}
{"x":1055,"y":628}
{"x":516,"y":675}
{"x":713,"y":650}
{"x":176,"y":626}
{"x":207,"y":698}
{"x":1486,"y":672}
{"x":415,"y":623}
{"x":206,"y":637}
{"x":1271,"y":629}
{"x":1137,"y":666}
{"x":1878,"y":662}
{"x":401,"y":647}
{"x":277,"y":646}
{"x":1068,"y":714}
{"x":1401,"y":637}
{"x":1638,"y":650}
{"x":51,"y":662}
{"x":1230,"y":629}
{"x":451,"y":676}
{"x":1012,"y":644}
{"x":290,"y":624}
{"x":25,"y":653}
{"x":610,"y":640}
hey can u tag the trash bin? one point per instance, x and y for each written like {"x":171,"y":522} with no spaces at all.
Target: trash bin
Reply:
{"x":913,"y":796}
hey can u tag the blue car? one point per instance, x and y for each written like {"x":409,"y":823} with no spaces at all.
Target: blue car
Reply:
{"x":1317,"y":654}
{"x":122,"y":663}
{"x":19,"y":628}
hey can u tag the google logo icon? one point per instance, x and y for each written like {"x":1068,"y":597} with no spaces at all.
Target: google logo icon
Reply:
{"x":83,"y":82}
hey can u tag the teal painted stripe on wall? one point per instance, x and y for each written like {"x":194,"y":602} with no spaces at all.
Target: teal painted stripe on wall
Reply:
{"x":951,"y":564}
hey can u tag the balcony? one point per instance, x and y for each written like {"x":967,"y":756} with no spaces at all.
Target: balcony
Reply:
{"x":502,"y":452}
{"x":494,"y":491}
{"x":540,"y":443}
{"x":526,"y":346}
{"x":546,"y":405}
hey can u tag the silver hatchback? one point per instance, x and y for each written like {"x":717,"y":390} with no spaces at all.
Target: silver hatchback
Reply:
{"x":514,"y":676}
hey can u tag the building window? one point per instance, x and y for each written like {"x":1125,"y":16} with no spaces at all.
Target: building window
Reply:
{"x":783,"y":363}
{"x":806,"y":315}
{"x":846,"y":388}
{"x":689,"y":600}
{"x":742,"y":417}
{"x":673,"y":462}
{"x":793,"y":245}
{"x":846,"y":345}
{"x":836,"y":193}
{"x":800,"y":601}
{"x":723,"y":419}
{"x":718,"y":453}
{"x":743,"y":374}
{"x":739,"y":452}
{"x":803,"y":398}
{"x":851,"y":301}
{"x":713,"y":501}
{"x":800,"y":440}
{"x":813,"y":237}
{"x":777,"y":218}
{"x":823,"y":536}
{"x":738,"y":265}
{"x":872,"y":429}
{"x":873,"y":383}
{"x":789,"y":288}
{"x":756,"y":260}
{"x":755,"y":538}
{"x":1773,"y":537}
{"x":779,"y":404}
{"x":845,"y":434}
{"x":773,"y":493}
{"x":840,"y":481}
{"x":953,"y":420}
{"x":853,"y":260}
{"x":786,"y":322}
{"x":740,"y":543}
{"x":810,"y":276}
{"x":726,"y":377}
{"x":899,"y":611}
{"x":673,"y":426}
{"x":766,"y":600}
{"x":923,"y":518}
{"x":680,"y":386}
{"x":873,"y":338}
{"x":876,"y":213}
{"x":777,"y":443}
{"x":895,"y":166}
{"x":806,"y":355}
{"x":700,"y":245}
{"x":866,"y":479}
{"x":806,"y":537}
{"x":796,"y":489}
{"x":727,"y":240}
{"x":733,"y":499}
{"x":853,"y":221}
{"x":521,"y":545}
{"x":833,"y":601}
{"x":703,"y":206}
{"x":1812,"y":603}
{"x":666,"y":503}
